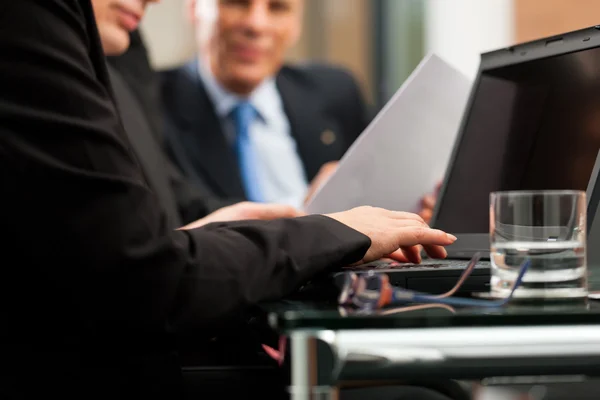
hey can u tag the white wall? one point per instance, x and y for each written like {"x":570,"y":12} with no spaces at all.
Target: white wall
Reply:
{"x":169,"y":37}
{"x":460,"y":30}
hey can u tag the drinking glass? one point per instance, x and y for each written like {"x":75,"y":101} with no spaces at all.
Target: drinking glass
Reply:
{"x":549,"y":229}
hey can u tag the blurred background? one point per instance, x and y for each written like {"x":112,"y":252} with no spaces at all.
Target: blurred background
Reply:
{"x":382,"y":41}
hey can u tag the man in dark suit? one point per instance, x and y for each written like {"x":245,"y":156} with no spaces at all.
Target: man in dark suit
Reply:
{"x":99,"y":284}
{"x":305,"y":117}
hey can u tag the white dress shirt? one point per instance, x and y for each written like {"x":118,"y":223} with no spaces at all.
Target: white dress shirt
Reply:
{"x":281,"y":172}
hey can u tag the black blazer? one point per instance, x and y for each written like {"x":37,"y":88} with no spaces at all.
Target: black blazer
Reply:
{"x":323,"y":104}
{"x":95,"y":283}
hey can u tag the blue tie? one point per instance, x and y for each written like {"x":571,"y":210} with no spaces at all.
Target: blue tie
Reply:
{"x":243,"y":115}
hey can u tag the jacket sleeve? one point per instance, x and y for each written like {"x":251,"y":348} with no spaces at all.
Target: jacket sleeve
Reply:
{"x":91,"y":238}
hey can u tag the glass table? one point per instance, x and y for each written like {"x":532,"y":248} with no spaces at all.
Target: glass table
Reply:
{"x":332,"y":347}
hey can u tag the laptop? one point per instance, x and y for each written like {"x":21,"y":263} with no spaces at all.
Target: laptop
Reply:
{"x":532,"y":122}
{"x":593,"y":231}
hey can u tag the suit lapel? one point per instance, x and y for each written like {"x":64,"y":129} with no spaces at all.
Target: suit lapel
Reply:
{"x":314,"y":132}
{"x":207,"y":149}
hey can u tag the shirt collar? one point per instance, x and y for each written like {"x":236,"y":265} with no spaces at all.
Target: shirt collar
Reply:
{"x":265,"y":98}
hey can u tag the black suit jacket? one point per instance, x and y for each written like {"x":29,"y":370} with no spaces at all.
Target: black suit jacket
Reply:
{"x":95,"y":282}
{"x":321,"y":102}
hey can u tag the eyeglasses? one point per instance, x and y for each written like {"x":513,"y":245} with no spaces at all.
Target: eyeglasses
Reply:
{"x":371,"y":291}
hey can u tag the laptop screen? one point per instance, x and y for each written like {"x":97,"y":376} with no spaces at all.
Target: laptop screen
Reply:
{"x":531,"y":125}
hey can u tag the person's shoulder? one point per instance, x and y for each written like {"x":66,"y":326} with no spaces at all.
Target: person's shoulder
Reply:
{"x":179,"y":75}
{"x":331,"y":84}
{"x":175,"y":84}
{"x":318,"y":74}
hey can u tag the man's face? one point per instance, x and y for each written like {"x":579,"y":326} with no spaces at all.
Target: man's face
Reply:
{"x":247,"y":39}
{"x":115,"y":20}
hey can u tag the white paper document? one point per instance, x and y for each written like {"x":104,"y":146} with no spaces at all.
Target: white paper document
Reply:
{"x":404,"y":152}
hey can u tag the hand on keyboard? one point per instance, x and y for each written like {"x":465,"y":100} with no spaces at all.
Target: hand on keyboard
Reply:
{"x":378,"y":264}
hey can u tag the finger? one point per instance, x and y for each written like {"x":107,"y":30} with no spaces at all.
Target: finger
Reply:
{"x":438,"y":187}
{"x":412,"y":236}
{"x":426,"y":214}
{"x":412,"y":253}
{"x":398,"y":256}
{"x":325,"y":172}
{"x":329,"y":166}
{"x":435,"y":251}
{"x":428,"y":201}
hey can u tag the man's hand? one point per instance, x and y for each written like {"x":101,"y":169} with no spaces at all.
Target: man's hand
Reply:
{"x":246,"y":210}
{"x":324,"y":173}
{"x":428,"y":204}
{"x":395,"y":234}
